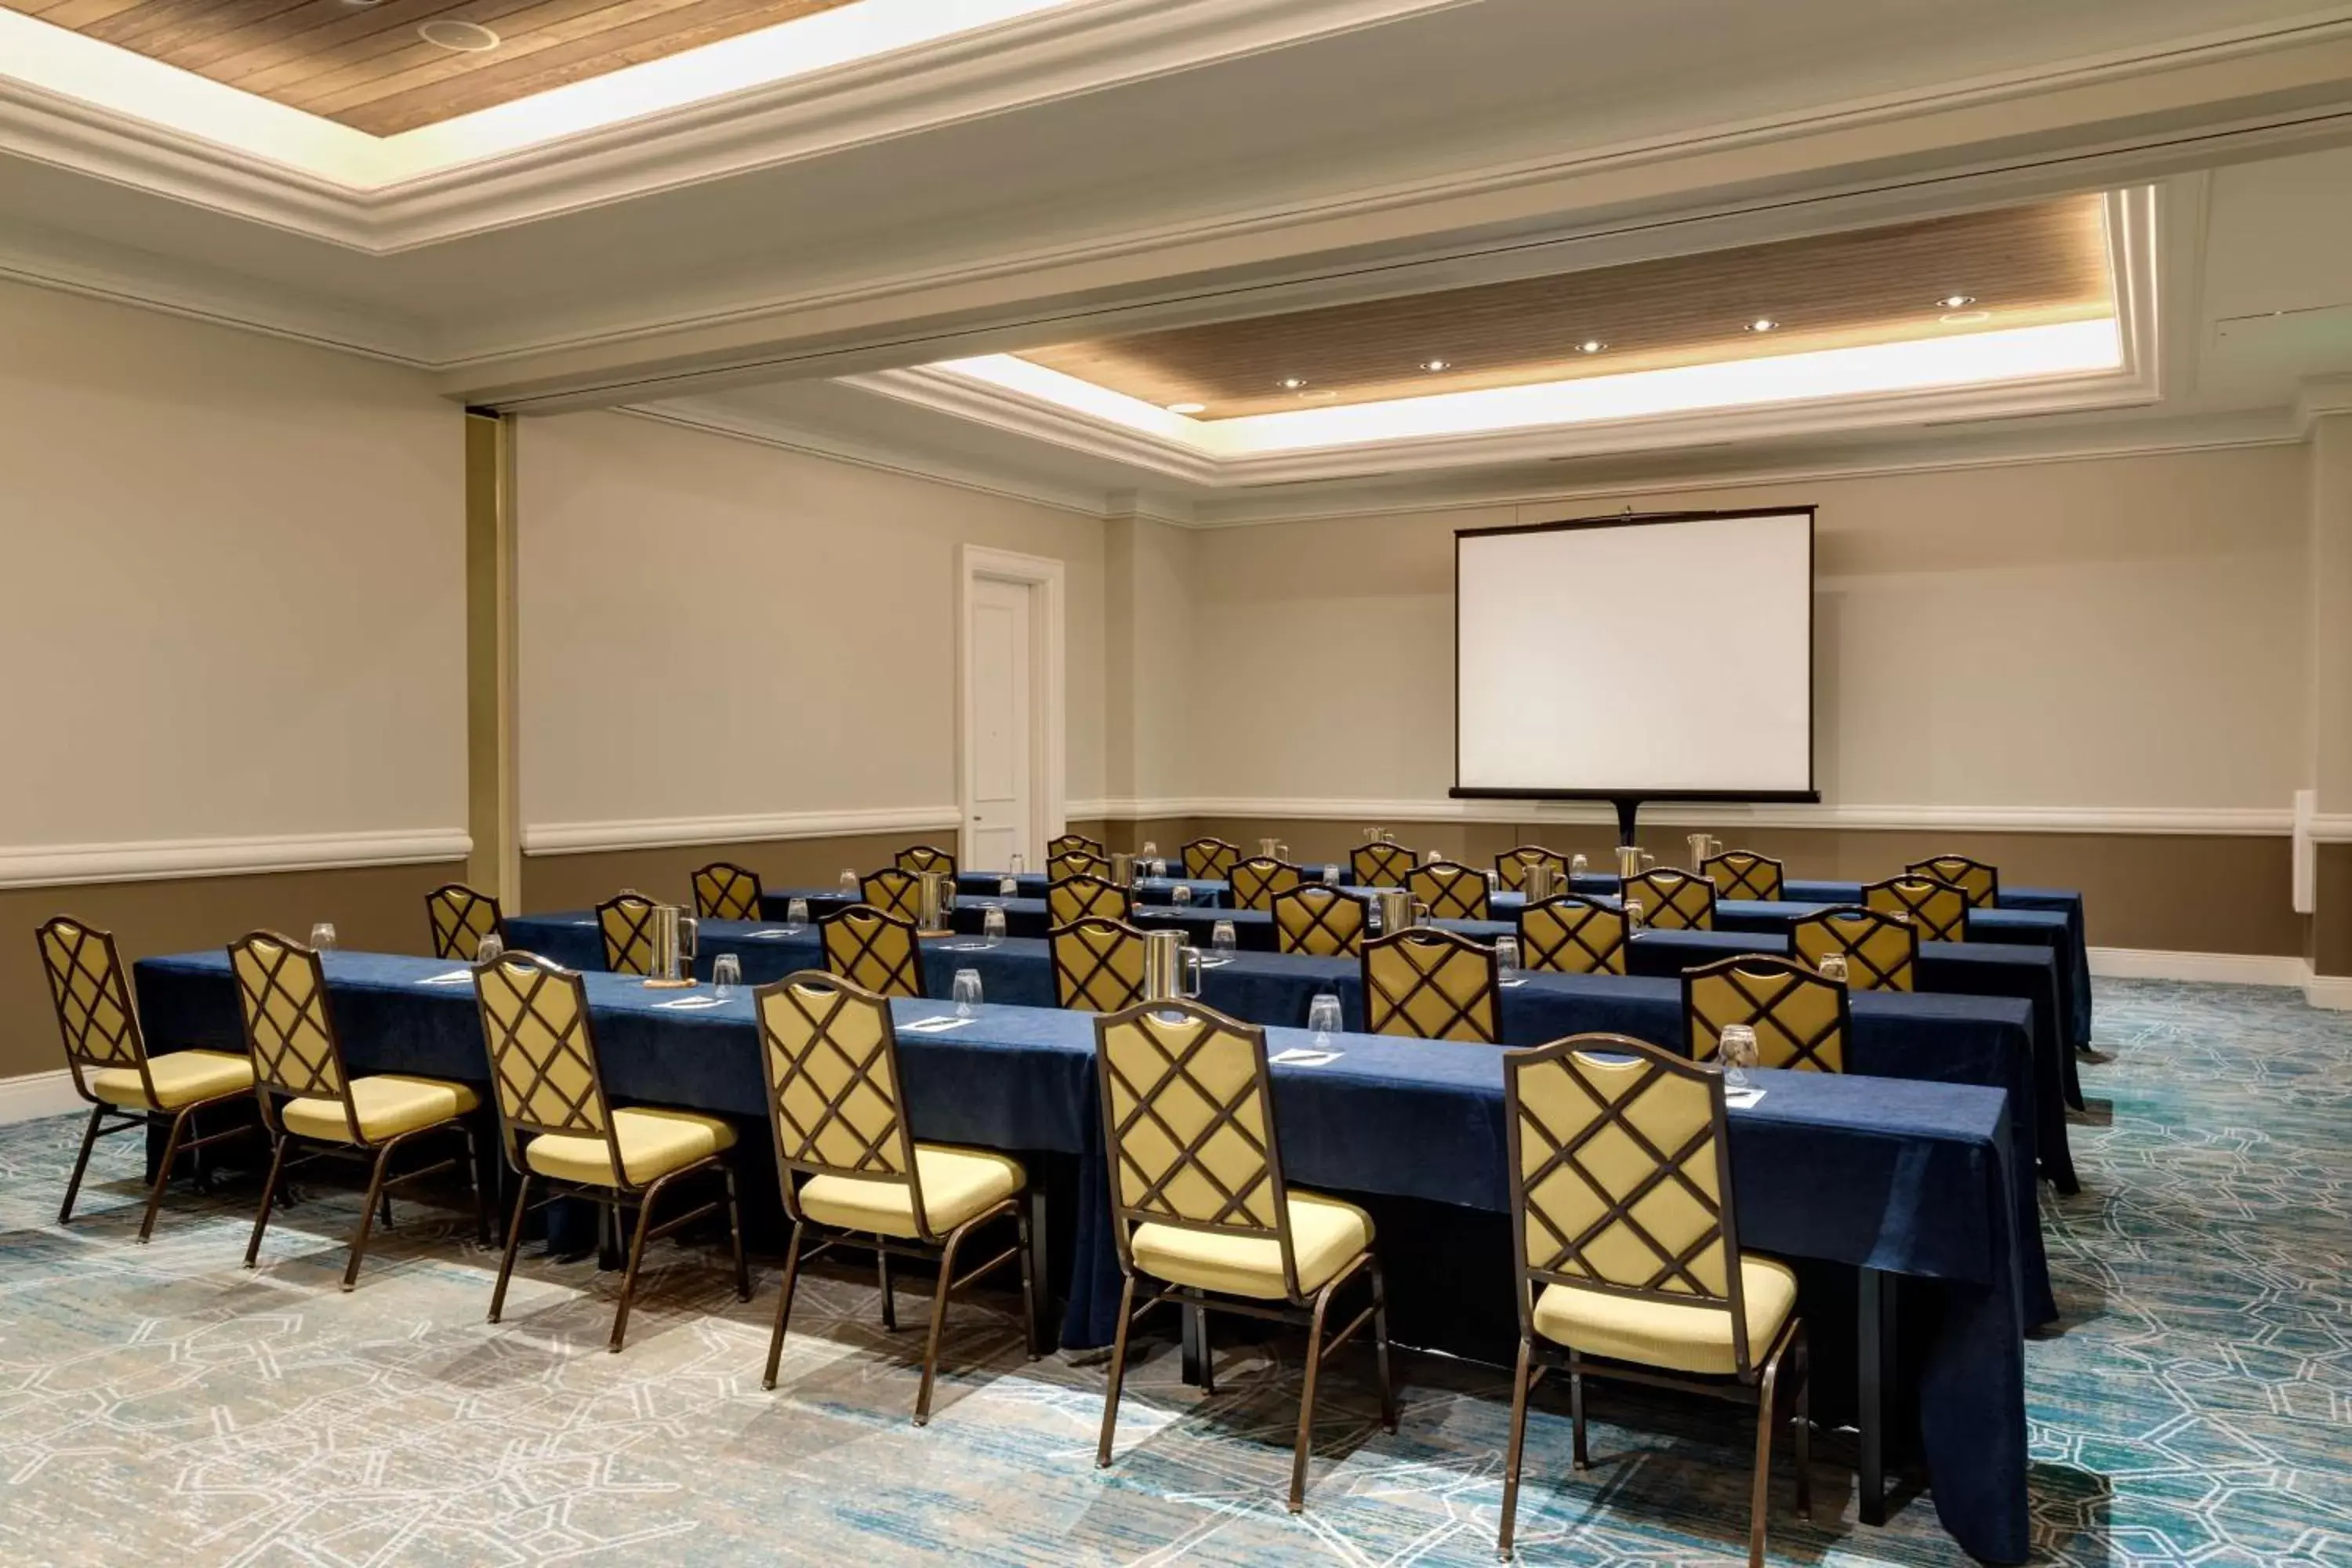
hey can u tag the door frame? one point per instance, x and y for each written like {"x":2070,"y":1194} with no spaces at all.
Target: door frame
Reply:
{"x":1048,"y":732}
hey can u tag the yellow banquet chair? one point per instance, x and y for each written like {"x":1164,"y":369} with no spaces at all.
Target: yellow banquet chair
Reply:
{"x":1802,"y":1019}
{"x":1318,"y":920}
{"x":1098,"y":964}
{"x":1571,"y":934}
{"x":1433,"y":984}
{"x":1257,"y":880}
{"x":1743,"y":874}
{"x":1075,"y":897}
{"x":725,"y":891}
{"x":1672,"y":900}
{"x":876,"y":951}
{"x":1979,"y":881}
{"x":459,"y":918}
{"x":1939,"y":908}
{"x":1881,"y":951}
{"x":1211,"y":859}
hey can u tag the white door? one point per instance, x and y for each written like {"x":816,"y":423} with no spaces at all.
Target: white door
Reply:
{"x":1000,"y":744}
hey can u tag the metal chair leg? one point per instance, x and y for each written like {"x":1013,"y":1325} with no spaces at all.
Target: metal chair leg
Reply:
{"x":636,"y":1259}
{"x":375,"y":1199}
{"x":1381,"y":1347}
{"x":163,"y":1174}
{"x":1804,"y":1434}
{"x":474,"y":1186}
{"x":889,"y":1306}
{"x":1760,"y":1485}
{"x":514,"y":1243}
{"x":269,"y":1197}
{"x":1511,"y":1451}
{"x":1028,"y":1283}
{"x":81,"y":1163}
{"x":784,"y":1303}
{"x":1576,"y":1412}
{"x":735,"y":1236}
{"x":1117,"y":1371}
{"x":1306,"y":1402}
{"x":938,"y":1322}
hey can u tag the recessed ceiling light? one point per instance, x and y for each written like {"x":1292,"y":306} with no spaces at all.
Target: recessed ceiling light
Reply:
{"x":458,"y":38}
{"x":1437,"y":365}
{"x":1763,"y":324}
{"x":1591,"y":346}
{"x":1291,"y":383}
{"x":1957,"y":301}
{"x":1188,"y":408}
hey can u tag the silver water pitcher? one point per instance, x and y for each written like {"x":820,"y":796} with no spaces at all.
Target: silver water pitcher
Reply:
{"x":1171,"y":967}
{"x":1539,"y":885}
{"x":1393,"y":906}
{"x":1699,"y":850}
{"x":1629,"y":859}
{"x":670,"y":963}
{"x":1122,"y":868}
{"x":1267,"y":848}
{"x":935,"y":900}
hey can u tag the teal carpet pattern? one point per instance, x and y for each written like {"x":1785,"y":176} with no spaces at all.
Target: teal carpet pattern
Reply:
{"x":160,"y":1404}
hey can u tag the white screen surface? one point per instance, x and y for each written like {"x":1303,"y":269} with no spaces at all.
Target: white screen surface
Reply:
{"x":1642,"y":658}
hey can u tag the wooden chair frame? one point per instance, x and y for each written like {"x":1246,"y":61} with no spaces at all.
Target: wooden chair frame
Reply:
{"x":1451,"y":890}
{"x":1555,"y":933}
{"x":922,"y":858}
{"x":1256,"y":879}
{"x":1759,"y":986}
{"x":98,"y":1021}
{"x":1939,"y":908}
{"x":517,"y":1080}
{"x":1757,"y":1380}
{"x":459,"y":918}
{"x":726,"y":891}
{"x":1211,"y":859}
{"x":819,"y":999}
{"x":1744,"y":874}
{"x":1858,"y":935}
{"x":1076,"y":863}
{"x":893,"y":891}
{"x":1979,"y":881}
{"x":1086,"y":896}
{"x":857,"y":941}
{"x":1210,"y":1027}
{"x":1511,"y":867}
{"x":1063,"y":843}
{"x":1429,"y":955}
{"x":283,"y":1069}
{"x":1086,"y":953}
{"x":1672,"y":899}
{"x":626,"y":921}
{"x":1322,"y":920}
{"x":1382,"y":863}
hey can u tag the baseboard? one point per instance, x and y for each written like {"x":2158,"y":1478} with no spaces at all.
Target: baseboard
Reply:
{"x":33,"y":1095}
{"x":2331,"y":991}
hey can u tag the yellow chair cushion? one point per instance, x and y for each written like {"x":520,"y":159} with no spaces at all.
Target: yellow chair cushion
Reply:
{"x":181,"y":1078}
{"x":653,"y":1144}
{"x":1662,"y":1335}
{"x":957,"y":1184}
{"x":388,"y":1104}
{"x":1325,"y":1237}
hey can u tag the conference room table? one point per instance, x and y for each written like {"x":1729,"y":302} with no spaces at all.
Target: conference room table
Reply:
{"x":1909,"y":1187}
{"x":1207,"y":890}
{"x":1986,"y":1041}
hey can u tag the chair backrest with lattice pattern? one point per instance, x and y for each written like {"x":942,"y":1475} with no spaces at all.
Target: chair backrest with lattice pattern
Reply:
{"x":625,"y":921}
{"x":1940,"y":910}
{"x":1381,"y":864}
{"x":1569,"y":934}
{"x":1744,"y":874}
{"x":1511,"y":867}
{"x":1257,"y":879}
{"x":1098,"y":964}
{"x":1672,"y":899}
{"x":894,"y":892}
{"x":1076,"y":863}
{"x":96,"y":1015}
{"x":1071,"y":842}
{"x":1881,"y":951}
{"x":1979,"y":881}
{"x":1188,"y":1124}
{"x":544,"y":1078}
{"x":290,"y":1030}
{"x":1800,"y":1019}
{"x":1433,"y":984}
{"x":1451,"y":890}
{"x":459,"y":918}
{"x":725,"y":891}
{"x":830,"y":1053}
{"x":1318,"y":920}
{"x":922,"y":858}
{"x":873,"y":949}
{"x":1211,"y":859}
{"x":1622,"y":1172}
{"x":1076,"y":897}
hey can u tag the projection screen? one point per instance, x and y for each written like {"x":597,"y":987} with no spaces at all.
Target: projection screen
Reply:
{"x":1664,"y":658}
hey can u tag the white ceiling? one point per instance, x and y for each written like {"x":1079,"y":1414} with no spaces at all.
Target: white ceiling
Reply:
{"x":1133,"y":163}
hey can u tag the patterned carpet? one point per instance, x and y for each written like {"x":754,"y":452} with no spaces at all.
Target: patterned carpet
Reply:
{"x":161,"y":1403}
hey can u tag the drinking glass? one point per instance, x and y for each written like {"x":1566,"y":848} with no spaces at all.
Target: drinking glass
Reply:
{"x":1633,"y":914}
{"x":1739,"y":1051}
{"x":966,"y":992}
{"x":1222,"y":938}
{"x":1494,"y":883}
{"x":1150,"y":850}
{"x":1159,"y":867}
{"x":726,"y":973}
{"x":322,"y":935}
{"x":1330,"y":876}
{"x":1431,"y":857}
{"x":796,"y":915}
{"x":1507,"y":959}
{"x":849,"y":884}
{"x":1181,"y":895}
{"x":1579,"y":866}
{"x":991,"y":926}
{"x":1323,"y":1017}
{"x":491,"y":946}
{"x":1008,"y":887}
{"x":1833,"y":967}
{"x":1016,"y":868}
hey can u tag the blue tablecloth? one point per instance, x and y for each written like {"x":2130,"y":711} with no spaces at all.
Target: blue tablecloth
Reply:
{"x":1914,"y":1179}
{"x":1032,"y":885}
{"x":1981,"y":1040}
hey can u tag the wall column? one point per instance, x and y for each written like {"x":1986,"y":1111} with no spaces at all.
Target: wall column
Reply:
{"x":2329,"y":947}
{"x":493,"y":803}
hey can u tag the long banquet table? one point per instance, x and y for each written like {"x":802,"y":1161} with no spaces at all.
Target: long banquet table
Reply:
{"x":1911,"y":1181}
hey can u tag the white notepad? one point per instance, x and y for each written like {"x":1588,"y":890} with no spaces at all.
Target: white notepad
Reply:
{"x":454,"y":977}
{"x":933,"y":1026}
{"x":1740,"y":1098}
{"x":1301,"y":1056}
{"x":690,"y":1004}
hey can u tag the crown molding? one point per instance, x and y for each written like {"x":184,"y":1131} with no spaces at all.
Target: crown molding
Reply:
{"x":661,"y":833}
{"x":165,"y":860}
{"x":2228,"y":822}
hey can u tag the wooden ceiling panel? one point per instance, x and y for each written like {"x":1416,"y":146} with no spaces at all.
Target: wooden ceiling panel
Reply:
{"x":368,"y":65}
{"x":2021,"y":266}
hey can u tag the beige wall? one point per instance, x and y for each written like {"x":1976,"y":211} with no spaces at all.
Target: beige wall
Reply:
{"x":2117,"y":633}
{"x":711,"y":628}
{"x":232,"y":599}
